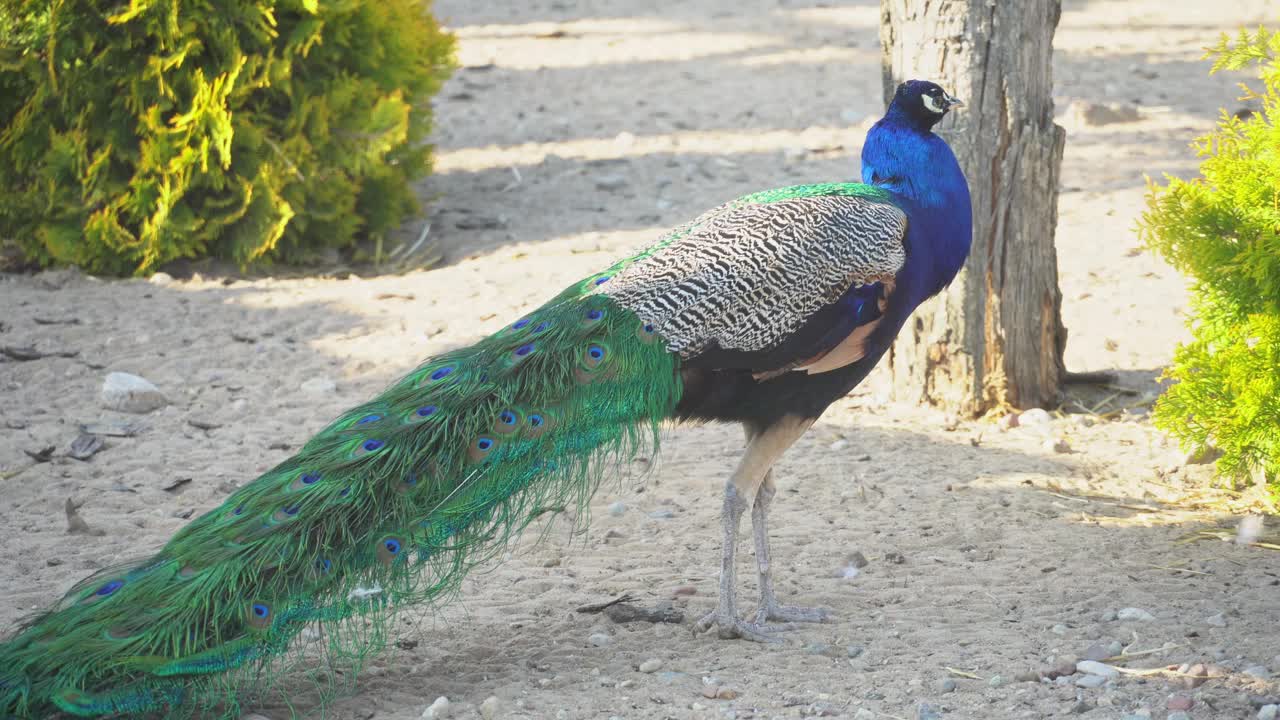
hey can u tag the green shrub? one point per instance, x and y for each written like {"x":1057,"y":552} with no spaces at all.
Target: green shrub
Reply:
{"x":133,"y":133}
{"x":1223,"y":230}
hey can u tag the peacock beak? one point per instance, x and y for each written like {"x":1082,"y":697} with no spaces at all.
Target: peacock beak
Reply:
{"x":950,"y":101}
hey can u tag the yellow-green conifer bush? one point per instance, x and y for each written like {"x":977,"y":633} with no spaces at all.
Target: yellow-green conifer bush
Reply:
{"x":1222,"y":230}
{"x":133,"y":133}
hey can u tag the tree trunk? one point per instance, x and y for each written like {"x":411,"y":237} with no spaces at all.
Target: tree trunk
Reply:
{"x":994,"y":338}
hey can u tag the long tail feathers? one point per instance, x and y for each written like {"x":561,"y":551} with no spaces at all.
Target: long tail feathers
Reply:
{"x":391,"y":504}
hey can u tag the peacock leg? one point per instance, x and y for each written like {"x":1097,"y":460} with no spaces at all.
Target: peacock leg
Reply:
{"x":769,"y":609}
{"x":763,"y":450}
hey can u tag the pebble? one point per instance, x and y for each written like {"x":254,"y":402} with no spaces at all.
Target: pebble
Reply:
{"x":1097,"y":114}
{"x":1196,"y":674}
{"x":996,"y":681}
{"x":617,"y":508}
{"x":1107,"y":616}
{"x":1058,"y":445}
{"x":1179,"y":702}
{"x":160,"y":278}
{"x":130,"y":393}
{"x":1218,"y":620}
{"x":1091,"y":681}
{"x":1259,"y":671}
{"x":680,"y":590}
{"x":609,"y":183}
{"x":490,"y":707}
{"x":1058,"y":629}
{"x":1034,"y":417}
{"x":438,"y":709}
{"x":1093,"y":667}
{"x":864,"y":714}
{"x":928,"y":712}
{"x":1179,"y":715}
{"x":1066,"y":665}
{"x":1133,"y":613}
{"x":663,"y":514}
{"x":651,"y":665}
{"x":600,"y":639}
{"x":319,"y":386}
{"x":1269,"y":712}
{"x":1027,"y":676}
{"x":946,"y":685}
{"x":1097,"y":652}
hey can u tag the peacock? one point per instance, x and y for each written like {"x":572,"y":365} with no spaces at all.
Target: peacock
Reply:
{"x":762,"y":311}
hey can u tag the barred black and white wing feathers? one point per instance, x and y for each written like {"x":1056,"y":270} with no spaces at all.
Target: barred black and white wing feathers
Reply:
{"x":771,"y":281}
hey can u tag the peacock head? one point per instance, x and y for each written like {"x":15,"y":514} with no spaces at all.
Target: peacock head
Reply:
{"x":921,"y":103}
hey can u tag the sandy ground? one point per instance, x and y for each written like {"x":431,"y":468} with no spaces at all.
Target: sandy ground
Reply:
{"x":575,"y":132}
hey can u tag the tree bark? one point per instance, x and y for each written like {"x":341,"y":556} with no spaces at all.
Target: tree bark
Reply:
{"x":994,"y":339}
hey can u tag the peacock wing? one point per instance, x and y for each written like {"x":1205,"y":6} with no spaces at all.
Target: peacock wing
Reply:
{"x":793,"y":278}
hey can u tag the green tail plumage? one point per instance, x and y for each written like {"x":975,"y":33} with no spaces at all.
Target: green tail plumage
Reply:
{"x":390,"y":504}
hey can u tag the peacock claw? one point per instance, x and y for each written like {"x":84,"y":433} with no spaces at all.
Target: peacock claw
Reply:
{"x":791,"y":614}
{"x":730,"y":627}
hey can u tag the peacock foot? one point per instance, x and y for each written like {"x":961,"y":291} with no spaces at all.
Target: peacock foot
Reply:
{"x":791,"y":614}
{"x":730,"y":627}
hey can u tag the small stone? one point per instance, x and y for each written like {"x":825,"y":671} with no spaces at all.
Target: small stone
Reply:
{"x":1097,"y":652}
{"x":1107,"y":616}
{"x":490,"y":708}
{"x":319,"y":386}
{"x":438,"y":709}
{"x":1093,"y":114}
{"x":600,"y":639}
{"x":864,"y":714}
{"x":840,"y":444}
{"x":1179,"y":702}
{"x":651,"y":665}
{"x":1259,"y":671}
{"x":684,"y":590}
{"x":1114,"y":648}
{"x":610,"y":183}
{"x":1216,"y":620}
{"x":1268,"y":712}
{"x":1065,"y":666}
{"x":1197,"y":675}
{"x":928,"y":712}
{"x":1091,"y":681}
{"x":1093,"y":667}
{"x":1179,"y":715}
{"x":1058,"y":629}
{"x":725,"y":693}
{"x":662,"y":514}
{"x":946,"y":685}
{"x":853,"y":651}
{"x":85,"y":446}
{"x":1133,"y":613}
{"x":129,"y":393}
{"x":996,"y":681}
{"x":160,"y":278}
{"x":1034,"y":417}
{"x":616,"y":509}
{"x":1081,"y":707}
{"x":1057,"y":445}
{"x":1027,"y":676}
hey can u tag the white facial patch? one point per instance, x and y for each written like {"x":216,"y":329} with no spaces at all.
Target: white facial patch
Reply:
{"x":931,"y":104}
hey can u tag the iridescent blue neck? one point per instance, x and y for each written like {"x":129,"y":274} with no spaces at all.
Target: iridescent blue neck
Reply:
{"x":920,"y":170}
